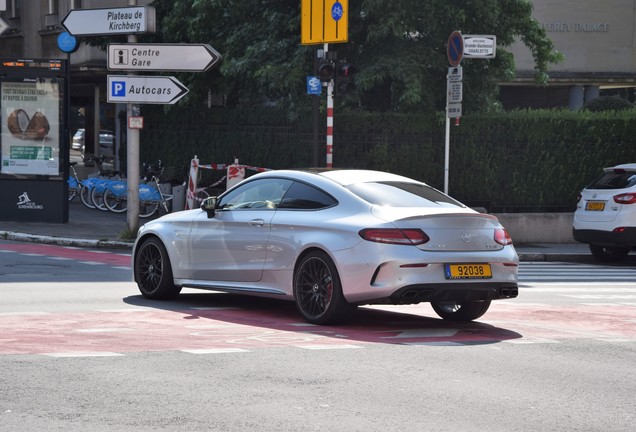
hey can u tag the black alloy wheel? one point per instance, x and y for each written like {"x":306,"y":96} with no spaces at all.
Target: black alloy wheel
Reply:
{"x":460,"y":311}
{"x":609,"y":254}
{"x":153,"y":272}
{"x":318,"y":291}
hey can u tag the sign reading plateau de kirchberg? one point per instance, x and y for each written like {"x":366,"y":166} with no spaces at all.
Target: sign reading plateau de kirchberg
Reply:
{"x":125,"y":20}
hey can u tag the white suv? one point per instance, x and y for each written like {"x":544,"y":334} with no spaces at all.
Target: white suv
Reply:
{"x":605,"y":215}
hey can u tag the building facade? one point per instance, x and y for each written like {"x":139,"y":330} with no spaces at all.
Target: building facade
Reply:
{"x":598,"y":42}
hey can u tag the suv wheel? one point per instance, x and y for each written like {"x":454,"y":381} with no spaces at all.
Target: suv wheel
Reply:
{"x":609,"y":254}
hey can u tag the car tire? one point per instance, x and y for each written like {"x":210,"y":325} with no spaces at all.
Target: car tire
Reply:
{"x":460,"y":311}
{"x":153,"y":272}
{"x":609,"y":254}
{"x":318,"y":290}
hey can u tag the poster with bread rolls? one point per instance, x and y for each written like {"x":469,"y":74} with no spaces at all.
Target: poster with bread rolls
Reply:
{"x":30,"y":127}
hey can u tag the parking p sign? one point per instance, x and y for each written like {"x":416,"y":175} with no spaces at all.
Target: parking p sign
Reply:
{"x":144,"y":89}
{"x":118,"y":88}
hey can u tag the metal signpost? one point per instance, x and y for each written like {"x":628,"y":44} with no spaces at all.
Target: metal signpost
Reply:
{"x":460,"y":47}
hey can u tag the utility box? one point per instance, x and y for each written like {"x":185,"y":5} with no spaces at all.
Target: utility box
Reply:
{"x":178,"y":198}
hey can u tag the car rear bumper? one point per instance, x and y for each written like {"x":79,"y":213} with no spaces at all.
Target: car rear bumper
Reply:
{"x":457,"y":292}
{"x":625,"y":238}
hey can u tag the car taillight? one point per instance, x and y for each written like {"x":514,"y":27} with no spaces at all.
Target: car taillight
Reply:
{"x":502,"y":237}
{"x":626,"y":198}
{"x":578,"y":198}
{"x":394,"y":236}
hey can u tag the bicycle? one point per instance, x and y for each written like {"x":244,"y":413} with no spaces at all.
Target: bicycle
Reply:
{"x":115,"y":195}
{"x":74,"y":183}
{"x":90,"y":183}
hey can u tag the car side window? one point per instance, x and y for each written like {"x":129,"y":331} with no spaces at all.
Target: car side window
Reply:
{"x":306,"y":197}
{"x":257,"y":194}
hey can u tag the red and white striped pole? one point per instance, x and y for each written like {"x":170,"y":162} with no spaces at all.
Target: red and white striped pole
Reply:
{"x":330,"y":124}
{"x":329,"y":117}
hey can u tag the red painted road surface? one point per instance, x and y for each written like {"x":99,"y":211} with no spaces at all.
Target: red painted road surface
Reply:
{"x":228,"y":323}
{"x":78,"y":254}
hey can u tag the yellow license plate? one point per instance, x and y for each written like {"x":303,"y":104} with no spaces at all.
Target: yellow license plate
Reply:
{"x":595,"y":206}
{"x":467,"y":271}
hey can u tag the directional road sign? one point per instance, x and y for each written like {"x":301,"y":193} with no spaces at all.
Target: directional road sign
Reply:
{"x":162,"y":57}
{"x":480,"y":46}
{"x":124,"y":20}
{"x":3,"y":26}
{"x":144,"y":89}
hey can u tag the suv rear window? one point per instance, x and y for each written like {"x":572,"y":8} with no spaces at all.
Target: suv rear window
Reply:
{"x":402,"y":194}
{"x":614,"y":180}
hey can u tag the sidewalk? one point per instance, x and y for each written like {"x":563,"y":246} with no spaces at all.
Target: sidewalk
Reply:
{"x":101,"y":229}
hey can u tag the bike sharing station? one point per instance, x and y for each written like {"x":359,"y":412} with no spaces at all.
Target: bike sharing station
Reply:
{"x":33,"y":168}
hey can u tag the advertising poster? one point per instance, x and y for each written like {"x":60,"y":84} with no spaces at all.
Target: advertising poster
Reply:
{"x":30,"y":127}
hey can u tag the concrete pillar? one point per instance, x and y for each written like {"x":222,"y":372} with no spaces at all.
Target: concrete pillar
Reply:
{"x":577,"y":97}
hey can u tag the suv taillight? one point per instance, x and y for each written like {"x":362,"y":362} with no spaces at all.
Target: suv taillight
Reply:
{"x":626,"y":198}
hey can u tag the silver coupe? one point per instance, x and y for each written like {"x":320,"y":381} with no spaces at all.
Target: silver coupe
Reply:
{"x":329,"y":241}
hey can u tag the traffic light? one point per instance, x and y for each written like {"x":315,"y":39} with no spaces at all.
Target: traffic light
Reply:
{"x":344,"y":80}
{"x":325,"y":71}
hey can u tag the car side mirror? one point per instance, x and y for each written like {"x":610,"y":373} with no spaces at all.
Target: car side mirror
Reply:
{"x":209,"y":205}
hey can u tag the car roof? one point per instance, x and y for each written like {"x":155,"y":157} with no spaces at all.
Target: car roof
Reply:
{"x":626,"y":167}
{"x":344,"y":177}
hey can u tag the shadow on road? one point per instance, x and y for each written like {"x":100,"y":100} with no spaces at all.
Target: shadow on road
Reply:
{"x":279,"y":319}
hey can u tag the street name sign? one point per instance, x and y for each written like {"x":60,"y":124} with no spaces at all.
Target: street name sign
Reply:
{"x":162,"y":57}
{"x":144,"y":89}
{"x":324,"y":21}
{"x":480,"y":46}
{"x":124,"y":20}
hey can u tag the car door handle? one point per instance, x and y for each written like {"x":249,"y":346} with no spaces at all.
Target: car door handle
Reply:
{"x":257,"y":222}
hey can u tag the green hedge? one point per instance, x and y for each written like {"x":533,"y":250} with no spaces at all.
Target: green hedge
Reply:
{"x":512,"y":161}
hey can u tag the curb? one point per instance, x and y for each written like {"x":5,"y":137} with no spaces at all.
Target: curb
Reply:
{"x":119,"y":244}
{"x":66,"y":241}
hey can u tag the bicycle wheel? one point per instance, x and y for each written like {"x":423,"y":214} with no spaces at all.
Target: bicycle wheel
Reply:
{"x":85,"y":196}
{"x":115,"y":203}
{"x":148,"y":208}
{"x":74,"y":192}
{"x":97,"y":197}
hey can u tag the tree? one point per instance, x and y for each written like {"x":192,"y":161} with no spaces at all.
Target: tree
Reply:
{"x":397,"y":47}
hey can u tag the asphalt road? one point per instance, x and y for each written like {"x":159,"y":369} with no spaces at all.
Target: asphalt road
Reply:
{"x":80,"y":349}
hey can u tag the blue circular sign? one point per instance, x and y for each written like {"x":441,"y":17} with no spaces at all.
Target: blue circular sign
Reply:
{"x":67,"y":43}
{"x":455,"y":48}
{"x":337,"y":11}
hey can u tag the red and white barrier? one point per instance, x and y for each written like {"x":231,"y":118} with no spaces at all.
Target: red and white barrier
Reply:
{"x":235,"y":174}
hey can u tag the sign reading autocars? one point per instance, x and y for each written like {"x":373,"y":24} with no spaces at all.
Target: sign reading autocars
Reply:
{"x":124,"y":20}
{"x":162,"y":57}
{"x":144,"y":89}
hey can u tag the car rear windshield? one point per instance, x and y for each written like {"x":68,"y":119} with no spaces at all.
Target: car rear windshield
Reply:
{"x":614,"y":180}
{"x":402,"y":194}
